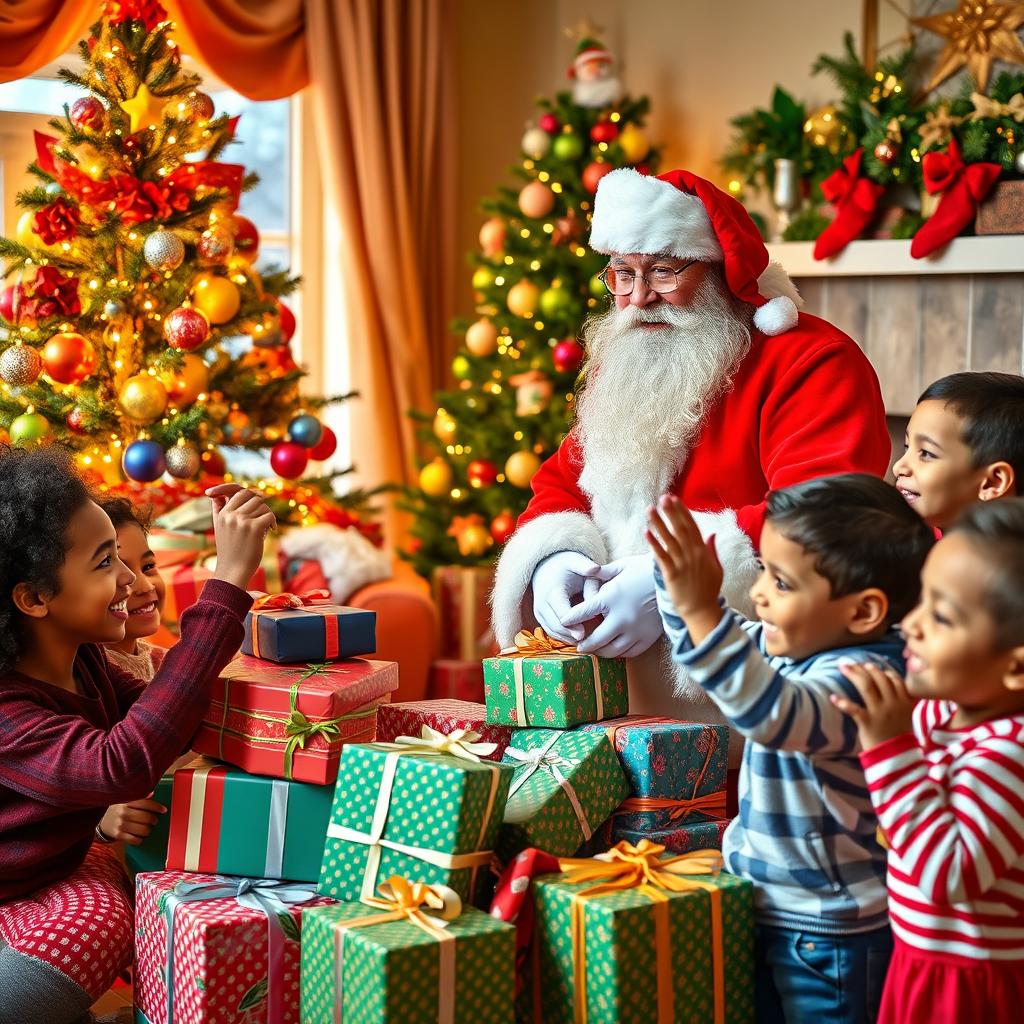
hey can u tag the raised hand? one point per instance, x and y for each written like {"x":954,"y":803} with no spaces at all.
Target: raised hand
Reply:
{"x":888,"y":708}
{"x":241,"y":520}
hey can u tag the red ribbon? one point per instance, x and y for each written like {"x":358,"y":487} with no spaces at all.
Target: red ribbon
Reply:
{"x":211,"y":174}
{"x":287,"y":601}
{"x":962,"y":185}
{"x":855,"y":199}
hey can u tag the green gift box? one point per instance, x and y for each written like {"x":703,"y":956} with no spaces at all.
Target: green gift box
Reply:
{"x":151,"y":853}
{"x":227,"y":822}
{"x":414,"y":811}
{"x":398,"y":972}
{"x":644,"y":953}
{"x":565,"y":785}
{"x":557,"y":689}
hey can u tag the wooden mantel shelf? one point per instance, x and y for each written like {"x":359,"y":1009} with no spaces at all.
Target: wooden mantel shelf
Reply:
{"x":988,"y":254}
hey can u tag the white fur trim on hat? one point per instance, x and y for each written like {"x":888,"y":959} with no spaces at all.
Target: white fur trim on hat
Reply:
{"x":635,"y":212}
{"x":780,"y":313}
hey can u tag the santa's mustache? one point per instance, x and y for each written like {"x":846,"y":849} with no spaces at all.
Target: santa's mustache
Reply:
{"x":634,"y":316}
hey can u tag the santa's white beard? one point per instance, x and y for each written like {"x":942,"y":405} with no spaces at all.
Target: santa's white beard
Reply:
{"x":596,"y":92}
{"x":645,"y":393}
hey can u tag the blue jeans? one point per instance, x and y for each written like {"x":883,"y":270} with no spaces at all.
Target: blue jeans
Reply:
{"x":804,"y":978}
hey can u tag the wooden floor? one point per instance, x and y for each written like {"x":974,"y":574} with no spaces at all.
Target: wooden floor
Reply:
{"x":112,"y":1001}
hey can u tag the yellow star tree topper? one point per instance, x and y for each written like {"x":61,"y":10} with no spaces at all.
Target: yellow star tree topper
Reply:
{"x":144,"y":109}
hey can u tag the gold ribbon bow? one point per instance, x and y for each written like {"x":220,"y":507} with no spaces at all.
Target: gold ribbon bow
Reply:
{"x":538,"y":643}
{"x":268,"y":602}
{"x":984,"y":107}
{"x":430,"y":908}
{"x":642,"y":867}
{"x":462,"y":743}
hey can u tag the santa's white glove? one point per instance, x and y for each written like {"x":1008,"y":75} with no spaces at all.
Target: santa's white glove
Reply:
{"x":558,"y":581}
{"x":628,"y":607}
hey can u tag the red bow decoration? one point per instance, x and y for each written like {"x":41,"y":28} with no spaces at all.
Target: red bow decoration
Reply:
{"x":211,"y":174}
{"x":962,"y":185}
{"x":268,"y":602}
{"x":44,"y":151}
{"x":856,"y":201}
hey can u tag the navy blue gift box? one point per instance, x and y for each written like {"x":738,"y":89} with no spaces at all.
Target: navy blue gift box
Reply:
{"x":318,"y":632}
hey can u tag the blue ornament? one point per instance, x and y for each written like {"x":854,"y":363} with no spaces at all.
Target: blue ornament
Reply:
{"x":53,"y":188}
{"x":144,"y":461}
{"x":305,"y":430}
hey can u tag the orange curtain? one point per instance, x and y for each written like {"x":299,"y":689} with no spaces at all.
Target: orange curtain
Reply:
{"x":35,"y":32}
{"x":258,"y":47}
{"x":382,"y":93}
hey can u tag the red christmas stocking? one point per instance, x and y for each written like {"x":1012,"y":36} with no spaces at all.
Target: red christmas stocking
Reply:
{"x":962,"y":185}
{"x":856,"y":202}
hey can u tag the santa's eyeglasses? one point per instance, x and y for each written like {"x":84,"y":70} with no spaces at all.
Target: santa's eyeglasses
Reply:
{"x":662,"y":280}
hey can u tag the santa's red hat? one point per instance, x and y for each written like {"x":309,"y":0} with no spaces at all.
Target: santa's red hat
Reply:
{"x":588,"y":50}
{"x":682,"y":215}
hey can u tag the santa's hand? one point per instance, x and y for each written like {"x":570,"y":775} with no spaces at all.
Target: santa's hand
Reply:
{"x":557,"y":581}
{"x":628,"y":608}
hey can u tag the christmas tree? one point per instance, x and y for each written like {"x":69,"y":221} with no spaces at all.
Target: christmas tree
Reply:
{"x":534,"y":282}
{"x":134,"y":327}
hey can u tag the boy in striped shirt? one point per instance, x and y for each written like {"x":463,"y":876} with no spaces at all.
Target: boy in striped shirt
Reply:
{"x":947,"y":778}
{"x":840,"y":560}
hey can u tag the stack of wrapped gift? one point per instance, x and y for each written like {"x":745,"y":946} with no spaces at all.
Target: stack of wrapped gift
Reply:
{"x":676,"y":773}
{"x":245,"y":840}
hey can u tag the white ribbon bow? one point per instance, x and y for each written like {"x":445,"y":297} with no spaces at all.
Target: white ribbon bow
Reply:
{"x":462,"y":743}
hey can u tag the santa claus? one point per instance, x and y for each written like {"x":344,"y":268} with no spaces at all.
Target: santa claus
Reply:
{"x":702,"y":380}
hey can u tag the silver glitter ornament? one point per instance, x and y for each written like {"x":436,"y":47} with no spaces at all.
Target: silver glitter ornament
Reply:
{"x":182,"y":461}
{"x":164,"y":250}
{"x":20,"y":365}
{"x":113,"y":308}
{"x":1018,"y":161}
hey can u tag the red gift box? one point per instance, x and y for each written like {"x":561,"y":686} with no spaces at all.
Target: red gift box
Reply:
{"x":462,"y":596}
{"x":407,"y":719}
{"x":456,"y":680}
{"x":221,"y":951}
{"x":271,"y":719}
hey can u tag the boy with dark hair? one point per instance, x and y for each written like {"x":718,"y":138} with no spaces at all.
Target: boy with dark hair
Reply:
{"x":964,"y":443}
{"x":840,"y":563}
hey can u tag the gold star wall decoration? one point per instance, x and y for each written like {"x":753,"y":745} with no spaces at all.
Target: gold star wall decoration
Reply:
{"x":977,"y":32}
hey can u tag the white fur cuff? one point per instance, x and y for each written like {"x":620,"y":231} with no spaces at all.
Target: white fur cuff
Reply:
{"x":736,"y":555}
{"x":511,"y":608}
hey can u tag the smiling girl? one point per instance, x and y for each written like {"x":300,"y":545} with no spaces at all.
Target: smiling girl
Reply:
{"x":77,"y":733}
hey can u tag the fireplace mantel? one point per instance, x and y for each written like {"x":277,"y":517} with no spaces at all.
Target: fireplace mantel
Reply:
{"x":917,"y":320}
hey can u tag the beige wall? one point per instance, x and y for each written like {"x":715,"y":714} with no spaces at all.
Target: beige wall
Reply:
{"x":700,"y":61}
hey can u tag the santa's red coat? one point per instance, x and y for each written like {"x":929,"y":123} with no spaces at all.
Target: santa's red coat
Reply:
{"x":803,"y":404}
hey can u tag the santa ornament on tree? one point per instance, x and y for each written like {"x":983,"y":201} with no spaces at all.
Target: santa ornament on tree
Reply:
{"x":594,"y":81}
{"x":702,"y":380}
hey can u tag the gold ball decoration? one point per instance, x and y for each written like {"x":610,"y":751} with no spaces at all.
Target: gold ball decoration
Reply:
{"x":445,"y":427}
{"x":143,"y":398}
{"x":186,"y":384}
{"x":492,"y":237}
{"x":633,"y":143}
{"x":536,"y":200}
{"x":482,"y":338}
{"x":520,"y":467}
{"x":522,"y":298}
{"x":215,"y":245}
{"x":473,"y":540}
{"x":436,"y":478}
{"x":825,"y":128}
{"x":217,"y":297}
{"x":182,"y":461}
{"x":193,"y":106}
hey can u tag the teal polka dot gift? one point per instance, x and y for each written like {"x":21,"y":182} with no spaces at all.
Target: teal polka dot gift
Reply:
{"x":426,"y":808}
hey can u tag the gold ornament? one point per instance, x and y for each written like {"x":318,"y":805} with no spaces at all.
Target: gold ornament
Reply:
{"x":522,"y":298}
{"x":938,"y":127}
{"x":633,"y":143}
{"x":144,"y":109}
{"x":986,"y":107}
{"x":520,"y":467}
{"x":824,"y":128}
{"x":184,"y":386}
{"x":482,"y":338}
{"x":216,"y":296}
{"x":471,"y":535}
{"x":436,"y":478}
{"x":976,"y":33}
{"x":445,"y":428}
{"x":182,"y":461}
{"x":143,"y":398}
{"x":215,"y":245}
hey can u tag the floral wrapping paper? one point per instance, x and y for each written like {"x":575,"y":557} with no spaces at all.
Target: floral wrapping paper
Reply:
{"x":408,"y":719}
{"x":219,"y":961}
{"x":250,"y":724}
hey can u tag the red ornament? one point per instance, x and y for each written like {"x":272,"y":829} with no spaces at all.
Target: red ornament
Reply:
{"x":212,"y":462}
{"x":325,"y":447}
{"x":7,"y":297}
{"x":57,"y":222}
{"x":247,"y":238}
{"x":289,"y":460}
{"x":643,"y":169}
{"x":604,"y":131}
{"x":886,"y":152}
{"x":87,"y":112}
{"x":287,"y":321}
{"x":75,"y":421}
{"x":594,"y":172}
{"x":503,"y":525}
{"x":568,"y":355}
{"x":68,"y":357}
{"x":550,"y":124}
{"x":481,"y":473}
{"x":186,"y":328}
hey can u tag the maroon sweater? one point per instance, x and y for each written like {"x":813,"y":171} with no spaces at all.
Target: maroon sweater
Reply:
{"x":65,"y":757}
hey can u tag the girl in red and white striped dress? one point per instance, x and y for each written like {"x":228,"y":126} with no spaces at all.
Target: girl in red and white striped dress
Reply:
{"x":947,"y":778}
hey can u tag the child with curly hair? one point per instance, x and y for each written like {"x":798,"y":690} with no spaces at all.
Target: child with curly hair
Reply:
{"x":77,"y":733}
